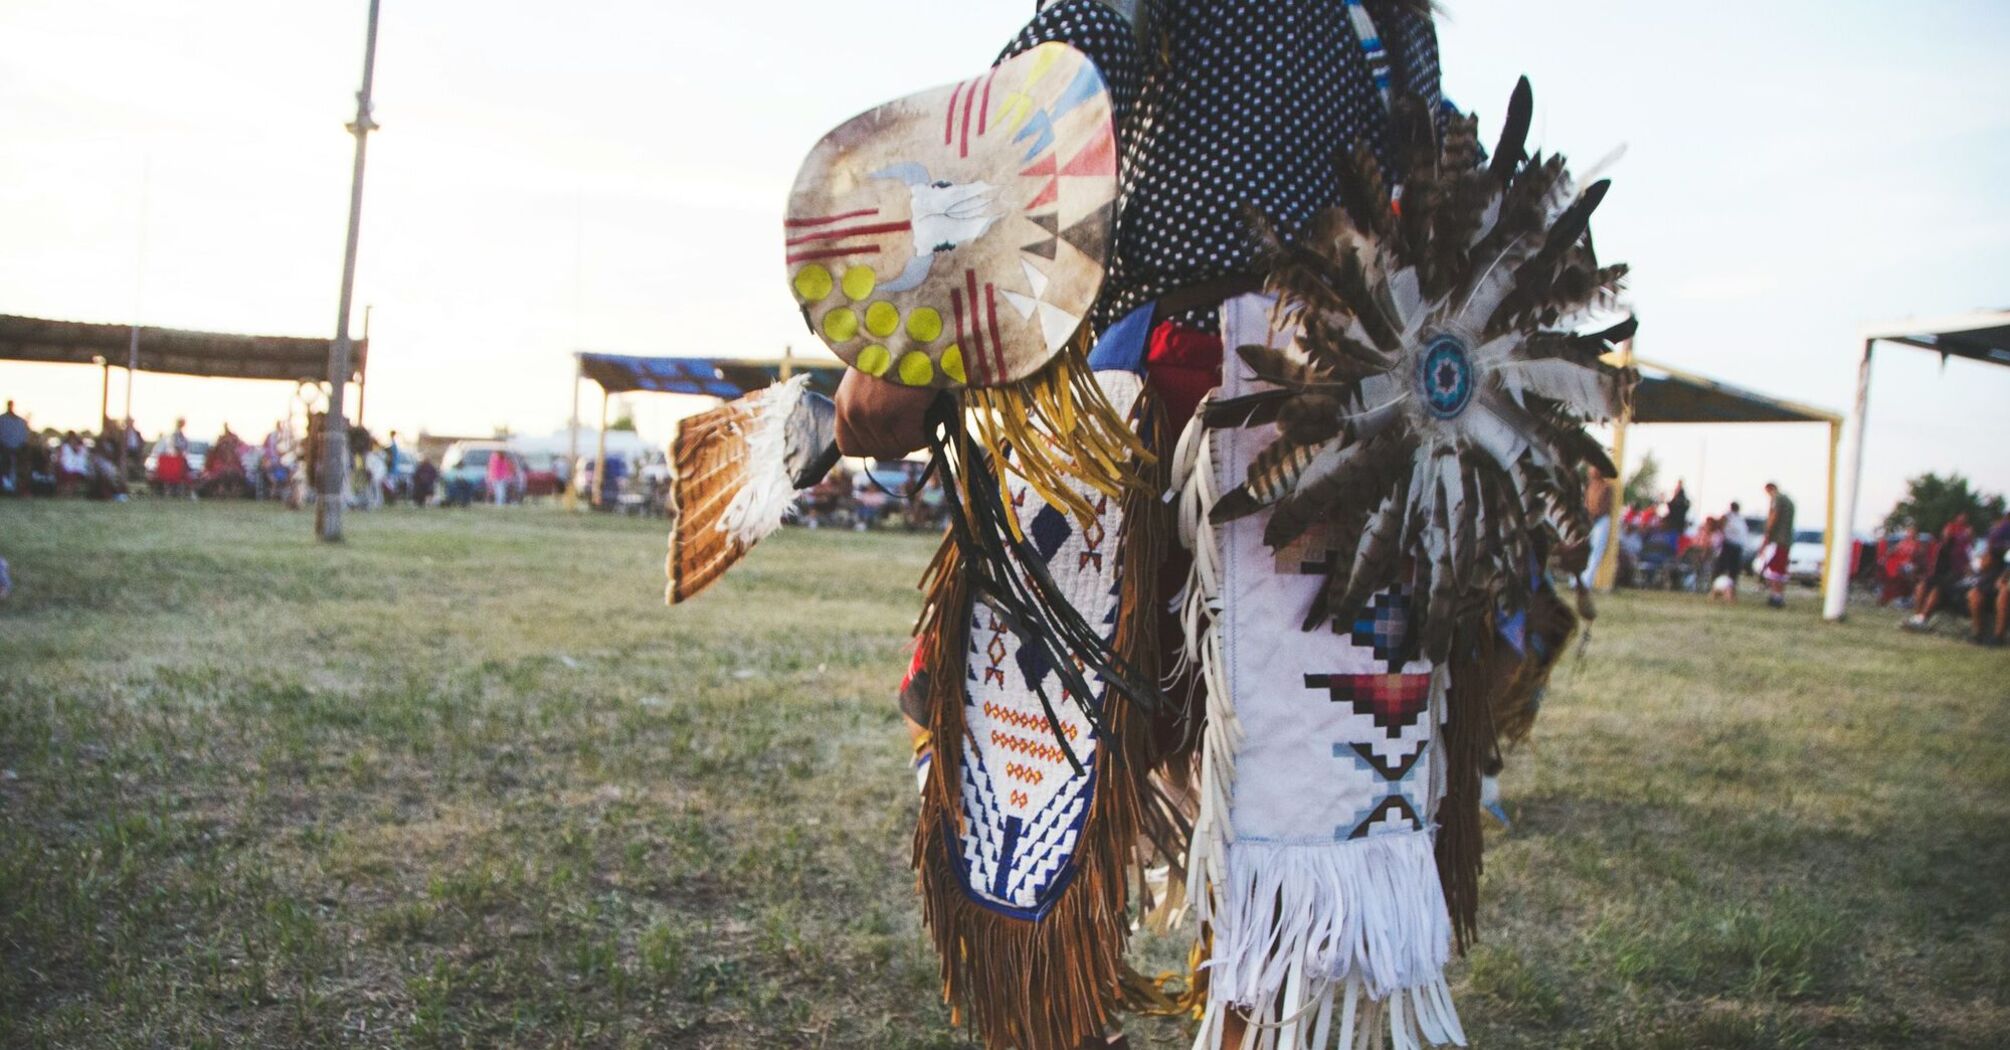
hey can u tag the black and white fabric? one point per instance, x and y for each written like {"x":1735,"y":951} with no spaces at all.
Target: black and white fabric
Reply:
{"x":1232,"y":104}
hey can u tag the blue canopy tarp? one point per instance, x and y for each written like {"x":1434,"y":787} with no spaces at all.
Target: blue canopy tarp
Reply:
{"x":719,"y":377}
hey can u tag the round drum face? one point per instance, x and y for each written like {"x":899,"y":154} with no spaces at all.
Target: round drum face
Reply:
{"x":957,"y":237}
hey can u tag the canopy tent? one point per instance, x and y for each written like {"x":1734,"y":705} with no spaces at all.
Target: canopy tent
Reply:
{"x":1980,"y":336}
{"x":721,"y":377}
{"x":217,"y":354}
{"x":1671,"y":395}
{"x":220,"y":355}
{"x":704,"y":376}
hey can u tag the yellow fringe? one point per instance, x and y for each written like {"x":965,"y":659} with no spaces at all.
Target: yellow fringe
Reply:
{"x":1163,"y":996}
{"x":1059,"y":427}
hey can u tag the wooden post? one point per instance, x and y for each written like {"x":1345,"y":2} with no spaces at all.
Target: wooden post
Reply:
{"x":788,"y":361}
{"x":132,"y":366}
{"x":593,"y":496}
{"x":571,"y":497}
{"x":1607,"y":574}
{"x":335,"y":435}
{"x":105,"y":397}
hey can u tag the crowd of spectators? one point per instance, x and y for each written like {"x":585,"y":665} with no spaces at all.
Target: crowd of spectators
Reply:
{"x":1954,"y":572}
{"x":1661,"y":545}
{"x":119,"y":461}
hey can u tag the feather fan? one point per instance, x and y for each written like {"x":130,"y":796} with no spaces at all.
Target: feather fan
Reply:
{"x":1431,"y":407}
{"x":735,"y":471}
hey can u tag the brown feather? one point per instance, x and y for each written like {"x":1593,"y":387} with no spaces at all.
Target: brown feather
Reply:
{"x":1311,"y":419}
{"x":1362,"y":191}
{"x":1359,"y":482}
{"x":1376,"y":560}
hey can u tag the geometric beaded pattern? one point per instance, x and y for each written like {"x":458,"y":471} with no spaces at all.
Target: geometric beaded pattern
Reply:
{"x":1023,"y":804}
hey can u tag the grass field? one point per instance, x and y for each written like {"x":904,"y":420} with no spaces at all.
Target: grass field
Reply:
{"x":464,"y":781}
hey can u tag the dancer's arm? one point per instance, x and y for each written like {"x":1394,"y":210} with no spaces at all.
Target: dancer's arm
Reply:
{"x":881,"y":419}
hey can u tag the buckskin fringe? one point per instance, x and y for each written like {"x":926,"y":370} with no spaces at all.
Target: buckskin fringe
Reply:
{"x":1467,"y":741}
{"x":1056,"y":982}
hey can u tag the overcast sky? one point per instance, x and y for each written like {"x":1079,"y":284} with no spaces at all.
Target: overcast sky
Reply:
{"x":610,"y":174}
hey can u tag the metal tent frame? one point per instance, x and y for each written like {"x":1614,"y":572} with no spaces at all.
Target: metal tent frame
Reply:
{"x":1983,"y":336}
{"x":1667,"y":394}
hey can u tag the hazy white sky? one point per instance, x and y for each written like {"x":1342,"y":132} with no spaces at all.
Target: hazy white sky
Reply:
{"x":610,"y":174}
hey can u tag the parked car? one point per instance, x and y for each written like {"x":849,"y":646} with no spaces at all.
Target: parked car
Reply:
{"x":1805,"y":556}
{"x":541,"y":474}
{"x":464,"y":471}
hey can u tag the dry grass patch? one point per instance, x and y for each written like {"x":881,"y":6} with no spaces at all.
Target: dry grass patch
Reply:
{"x":465,"y":782}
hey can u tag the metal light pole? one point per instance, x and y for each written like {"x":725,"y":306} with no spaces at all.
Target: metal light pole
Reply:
{"x":335,"y":431}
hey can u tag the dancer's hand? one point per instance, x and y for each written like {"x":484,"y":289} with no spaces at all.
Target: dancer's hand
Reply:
{"x":881,"y":419}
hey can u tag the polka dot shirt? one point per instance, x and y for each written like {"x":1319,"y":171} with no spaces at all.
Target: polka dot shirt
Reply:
{"x":1232,"y":103}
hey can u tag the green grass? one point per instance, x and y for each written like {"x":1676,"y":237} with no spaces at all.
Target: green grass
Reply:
{"x":464,"y":781}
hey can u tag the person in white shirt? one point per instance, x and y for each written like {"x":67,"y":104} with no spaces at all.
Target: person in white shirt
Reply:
{"x":1731,"y":557}
{"x":73,"y":463}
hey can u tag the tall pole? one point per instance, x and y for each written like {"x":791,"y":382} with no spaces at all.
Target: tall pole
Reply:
{"x":596,"y":494}
{"x":335,"y":432}
{"x":1835,"y":586}
{"x":132,"y":365}
{"x":139,"y":300}
{"x":363,"y":367}
{"x":1605,"y":575}
{"x":572,"y":456}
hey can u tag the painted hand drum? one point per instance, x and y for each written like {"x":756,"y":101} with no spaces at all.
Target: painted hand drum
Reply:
{"x":957,"y":237}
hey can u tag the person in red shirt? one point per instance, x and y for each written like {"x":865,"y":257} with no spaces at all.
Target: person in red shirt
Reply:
{"x":1901,"y":565}
{"x":1950,"y":563}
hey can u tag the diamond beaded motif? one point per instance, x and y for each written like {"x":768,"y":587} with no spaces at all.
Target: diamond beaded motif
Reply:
{"x":1023,"y":803}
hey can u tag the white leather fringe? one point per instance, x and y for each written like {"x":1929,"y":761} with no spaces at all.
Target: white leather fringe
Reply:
{"x":1318,"y":944}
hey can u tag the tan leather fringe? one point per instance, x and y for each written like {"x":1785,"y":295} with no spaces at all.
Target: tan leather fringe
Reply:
{"x":1469,"y":741}
{"x":1059,"y":427}
{"x":1492,"y":703}
{"x":1054,"y":983}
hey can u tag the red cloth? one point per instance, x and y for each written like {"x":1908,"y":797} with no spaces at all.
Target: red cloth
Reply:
{"x":1778,"y":565}
{"x":171,"y":468}
{"x":1182,"y":364}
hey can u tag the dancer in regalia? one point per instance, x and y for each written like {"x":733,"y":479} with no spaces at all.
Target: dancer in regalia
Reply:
{"x":1230,"y":635}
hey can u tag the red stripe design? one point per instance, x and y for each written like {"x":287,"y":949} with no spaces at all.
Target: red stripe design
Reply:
{"x":832,"y":253}
{"x":977,"y":362}
{"x":826,"y":220}
{"x":997,"y":344}
{"x":984,"y":107}
{"x":949,"y":121}
{"x":968,"y":101}
{"x":849,"y":231}
{"x":976,"y":321}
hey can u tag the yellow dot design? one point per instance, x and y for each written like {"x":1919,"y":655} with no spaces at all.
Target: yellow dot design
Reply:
{"x":882,"y":318}
{"x":813,"y":283}
{"x":874,"y":360}
{"x":952,"y":363}
{"x":858,"y":282}
{"x":840,"y":325}
{"x":916,"y":369}
{"x":924,"y":325}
